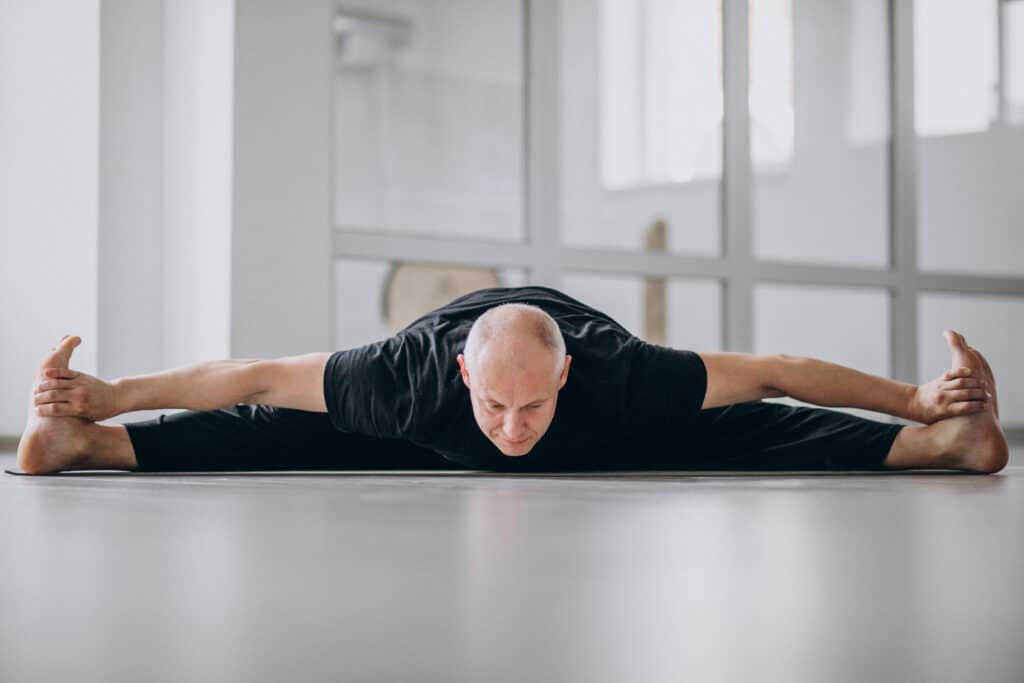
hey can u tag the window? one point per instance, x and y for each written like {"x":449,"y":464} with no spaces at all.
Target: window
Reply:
{"x":579,"y":144}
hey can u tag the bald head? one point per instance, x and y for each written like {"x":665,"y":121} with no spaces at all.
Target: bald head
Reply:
{"x":504,"y":330}
{"x":514,"y":365}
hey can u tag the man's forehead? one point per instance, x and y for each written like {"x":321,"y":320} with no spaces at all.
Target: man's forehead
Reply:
{"x":507,"y":383}
{"x":491,"y":396}
{"x":518,"y":356}
{"x":506,"y":374}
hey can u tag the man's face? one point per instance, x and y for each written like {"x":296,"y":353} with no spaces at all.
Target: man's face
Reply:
{"x":514,"y":392}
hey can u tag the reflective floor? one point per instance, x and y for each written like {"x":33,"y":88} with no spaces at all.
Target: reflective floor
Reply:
{"x":454,"y":577}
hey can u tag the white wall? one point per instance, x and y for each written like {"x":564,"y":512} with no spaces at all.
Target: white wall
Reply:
{"x":49,"y":177}
{"x":281,"y":245}
{"x":164,"y":185}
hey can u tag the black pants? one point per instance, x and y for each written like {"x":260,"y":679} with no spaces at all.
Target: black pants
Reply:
{"x":746,"y":436}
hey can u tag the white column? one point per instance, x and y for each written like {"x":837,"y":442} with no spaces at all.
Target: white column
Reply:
{"x":131,"y":187}
{"x":198,"y":84}
{"x":281,"y":242}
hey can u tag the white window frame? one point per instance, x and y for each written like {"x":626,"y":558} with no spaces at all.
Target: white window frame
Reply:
{"x":542,"y":254}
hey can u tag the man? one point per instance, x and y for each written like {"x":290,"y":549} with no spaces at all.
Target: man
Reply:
{"x":513,"y":379}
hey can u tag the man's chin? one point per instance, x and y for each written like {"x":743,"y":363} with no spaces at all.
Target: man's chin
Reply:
{"x":515,"y":450}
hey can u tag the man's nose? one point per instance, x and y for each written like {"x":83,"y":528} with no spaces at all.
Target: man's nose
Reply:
{"x":514,"y":426}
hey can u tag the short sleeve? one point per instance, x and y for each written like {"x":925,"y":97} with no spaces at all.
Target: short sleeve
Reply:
{"x":667,"y":386}
{"x":368,"y":389}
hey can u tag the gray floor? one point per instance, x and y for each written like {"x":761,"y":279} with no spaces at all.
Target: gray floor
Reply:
{"x":783,"y":577}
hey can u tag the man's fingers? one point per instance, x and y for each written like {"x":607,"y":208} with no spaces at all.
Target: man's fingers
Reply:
{"x":52,"y":384}
{"x":54,"y":396}
{"x":54,"y":373}
{"x":968,"y":407}
{"x":968,"y":395}
{"x":966,"y":383}
{"x":54,"y":410}
{"x":950,"y":397}
{"x":958,"y":372}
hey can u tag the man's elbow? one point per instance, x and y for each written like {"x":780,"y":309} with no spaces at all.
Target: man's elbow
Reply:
{"x":294,"y":382}
{"x":781,"y":365}
{"x":739,"y":377}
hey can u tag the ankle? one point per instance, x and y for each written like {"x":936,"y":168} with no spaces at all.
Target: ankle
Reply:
{"x":921,"y":447}
{"x":109,"y":448}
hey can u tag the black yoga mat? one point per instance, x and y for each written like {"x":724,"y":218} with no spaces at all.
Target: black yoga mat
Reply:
{"x":626,"y":474}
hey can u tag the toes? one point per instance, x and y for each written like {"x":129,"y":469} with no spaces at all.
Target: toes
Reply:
{"x":954,"y":373}
{"x":984,"y":363}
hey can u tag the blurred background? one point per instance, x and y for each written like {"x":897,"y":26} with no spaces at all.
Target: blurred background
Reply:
{"x":196,"y":179}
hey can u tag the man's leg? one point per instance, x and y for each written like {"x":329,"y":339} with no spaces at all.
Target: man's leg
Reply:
{"x":109,"y":448}
{"x":254,"y":437}
{"x":763,"y":435}
{"x":244,"y":437}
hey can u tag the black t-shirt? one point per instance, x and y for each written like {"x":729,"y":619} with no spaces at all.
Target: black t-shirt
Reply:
{"x":621,"y":394}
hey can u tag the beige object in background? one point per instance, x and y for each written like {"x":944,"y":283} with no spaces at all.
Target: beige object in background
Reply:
{"x":413,"y":289}
{"x":655,"y":324}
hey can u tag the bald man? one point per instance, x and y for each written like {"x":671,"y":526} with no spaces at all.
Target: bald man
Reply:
{"x":513,"y":379}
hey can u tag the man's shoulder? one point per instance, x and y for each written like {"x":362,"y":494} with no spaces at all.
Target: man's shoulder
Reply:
{"x":495,"y":296}
{"x":471,"y":305}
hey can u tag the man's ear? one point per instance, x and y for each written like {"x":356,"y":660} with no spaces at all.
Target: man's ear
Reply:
{"x":463,"y":370}
{"x":565,"y":372}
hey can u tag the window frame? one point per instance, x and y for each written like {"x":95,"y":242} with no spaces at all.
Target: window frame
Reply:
{"x":543,"y":256}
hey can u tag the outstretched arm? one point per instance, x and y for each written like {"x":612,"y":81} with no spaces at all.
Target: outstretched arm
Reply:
{"x":828,"y":384}
{"x":204,"y":386}
{"x":289,"y":382}
{"x":738,"y":377}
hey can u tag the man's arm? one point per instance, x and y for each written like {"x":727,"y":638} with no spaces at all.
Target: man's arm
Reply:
{"x":289,"y":382}
{"x":739,"y":377}
{"x":203,"y":386}
{"x":292,"y":382}
{"x":828,"y":384}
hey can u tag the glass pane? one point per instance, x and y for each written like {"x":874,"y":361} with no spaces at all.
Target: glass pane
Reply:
{"x":641,"y":124}
{"x":956,"y":66}
{"x":1013,"y":43}
{"x":428,"y":117}
{"x":393,"y":294}
{"x":969,"y":166}
{"x":821,"y":188}
{"x":994,"y":325}
{"x":844,"y":325}
{"x":681,"y":313}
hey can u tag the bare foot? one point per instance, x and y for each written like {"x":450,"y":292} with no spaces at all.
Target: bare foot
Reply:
{"x":973,"y":442}
{"x":990,"y":378}
{"x":49,"y":444}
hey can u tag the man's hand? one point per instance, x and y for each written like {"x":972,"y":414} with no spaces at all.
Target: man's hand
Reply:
{"x":958,"y":392}
{"x":62,"y":392}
